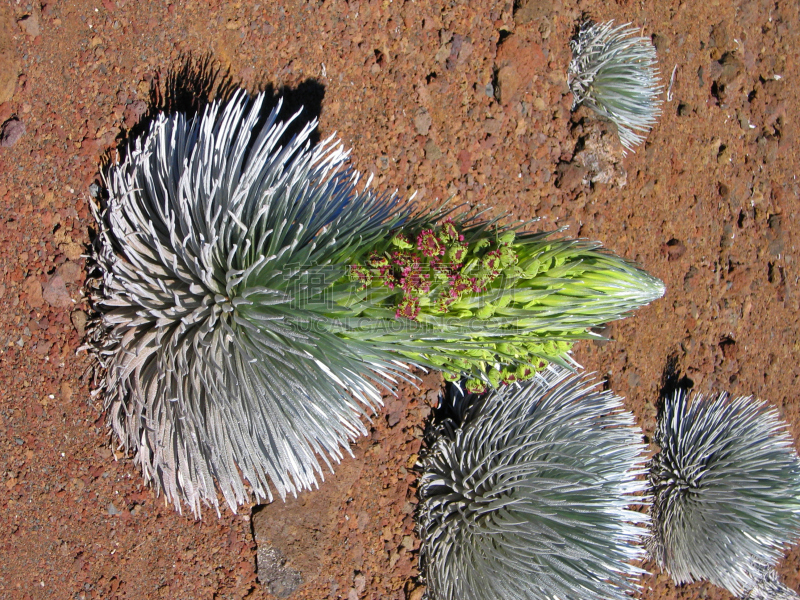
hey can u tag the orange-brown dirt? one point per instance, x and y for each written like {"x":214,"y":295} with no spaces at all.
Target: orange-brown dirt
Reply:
{"x":458,"y":98}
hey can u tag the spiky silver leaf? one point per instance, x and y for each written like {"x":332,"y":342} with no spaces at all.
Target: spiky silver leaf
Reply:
{"x":726,"y":487}
{"x":769,"y":587}
{"x":615,"y":73}
{"x":530,"y":498}
{"x":216,"y":248}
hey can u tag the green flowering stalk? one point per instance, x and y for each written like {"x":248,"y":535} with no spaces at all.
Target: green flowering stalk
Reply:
{"x":475,"y":298}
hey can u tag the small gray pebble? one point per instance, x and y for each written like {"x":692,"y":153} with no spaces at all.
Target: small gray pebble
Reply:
{"x":11,"y":131}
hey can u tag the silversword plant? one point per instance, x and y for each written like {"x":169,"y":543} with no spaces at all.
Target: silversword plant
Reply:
{"x":211,"y":249}
{"x":253,"y":302}
{"x":615,"y":73}
{"x":726,"y":487}
{"x":531,"y":497}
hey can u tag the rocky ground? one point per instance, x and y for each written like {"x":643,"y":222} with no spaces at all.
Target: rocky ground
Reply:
{"x":464,"y":99}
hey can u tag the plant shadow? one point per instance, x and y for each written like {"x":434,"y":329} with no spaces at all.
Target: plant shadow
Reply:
{"x":672,"y":381}
{"x":198,"y":81}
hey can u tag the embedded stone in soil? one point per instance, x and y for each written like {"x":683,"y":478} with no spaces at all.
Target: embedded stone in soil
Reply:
{"x":279,"y":578}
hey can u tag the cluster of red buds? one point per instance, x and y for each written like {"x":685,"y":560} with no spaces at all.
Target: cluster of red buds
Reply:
{"x":437,"y":260}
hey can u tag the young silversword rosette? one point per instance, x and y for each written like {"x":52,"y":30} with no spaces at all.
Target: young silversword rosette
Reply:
{"x":531,"y":498}
{"x":726,"y":487}
{"x":253,"y":301}
{"x":615,"y":73}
